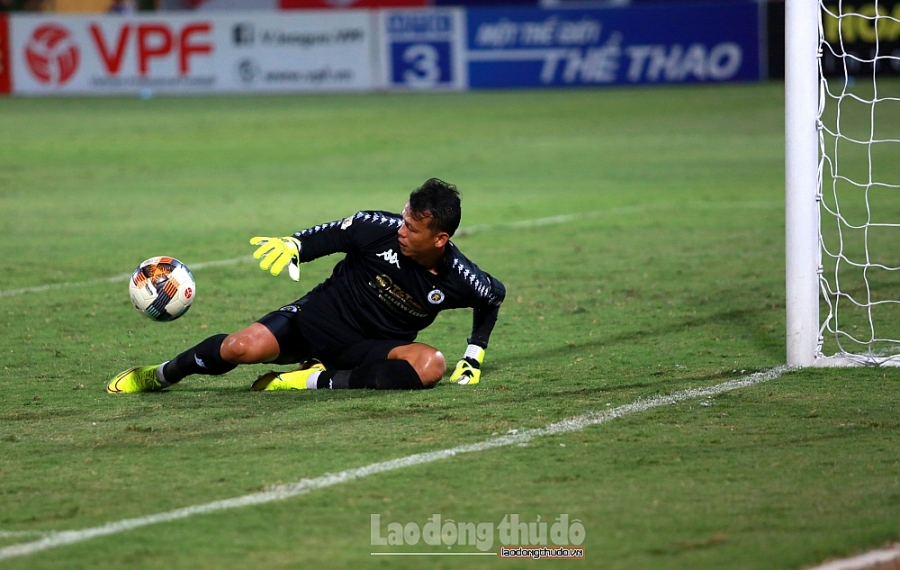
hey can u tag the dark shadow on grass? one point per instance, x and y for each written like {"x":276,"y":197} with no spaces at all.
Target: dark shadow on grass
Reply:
{"x":371,"y":404}
{"x":743,"y":321}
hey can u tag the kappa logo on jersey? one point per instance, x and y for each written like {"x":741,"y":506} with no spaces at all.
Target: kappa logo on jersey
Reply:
{"x":436,"y":297}
{"x":390,"y":257}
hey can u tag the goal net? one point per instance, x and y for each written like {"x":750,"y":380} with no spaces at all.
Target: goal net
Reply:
{"x":857,"y":190}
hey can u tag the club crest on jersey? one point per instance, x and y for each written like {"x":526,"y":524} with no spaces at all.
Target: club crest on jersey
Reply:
{"x":347,"y":223}
{"x":390,"y":257}
{"x":436,"y":297}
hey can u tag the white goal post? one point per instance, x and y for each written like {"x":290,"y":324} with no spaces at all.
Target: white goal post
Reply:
{"x":801,"y":102}
{"x":842,"y":199}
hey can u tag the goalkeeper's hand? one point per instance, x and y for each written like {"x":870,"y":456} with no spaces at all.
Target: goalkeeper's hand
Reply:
{"x":277,"y":253}
{"x":468,"y":370}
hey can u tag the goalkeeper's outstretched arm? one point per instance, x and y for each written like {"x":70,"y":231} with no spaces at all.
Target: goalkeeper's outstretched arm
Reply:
{"x":468,"y":369}
{"x":277,"y":253}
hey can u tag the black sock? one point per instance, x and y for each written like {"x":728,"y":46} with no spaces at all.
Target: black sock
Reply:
{"x":334,"y":380}
{"x":205,"y":358}
{"x":381,"y":375}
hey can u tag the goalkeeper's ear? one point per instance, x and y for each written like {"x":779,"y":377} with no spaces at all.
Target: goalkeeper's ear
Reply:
{"x":441,"y":239}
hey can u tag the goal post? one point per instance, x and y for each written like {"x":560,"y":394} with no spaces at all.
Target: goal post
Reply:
{"x":842,"y":182}
{"x":801,"y":84}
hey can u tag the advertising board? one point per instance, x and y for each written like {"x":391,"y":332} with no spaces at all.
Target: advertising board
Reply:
{"x":345,"y":4}
{"x":5,"y":71}
{"x":643,"y":44}
{"x":423,"y":49}
{"x":864,"y":37}
{"x":191,"y":53}
{"x":399,"y":49}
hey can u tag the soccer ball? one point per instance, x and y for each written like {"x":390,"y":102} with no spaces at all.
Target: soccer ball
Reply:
{"x":162,"y":288}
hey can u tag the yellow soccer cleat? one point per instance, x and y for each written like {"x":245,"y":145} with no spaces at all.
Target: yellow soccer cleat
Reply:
{"x":138,"y":379}
{"x":293,"y":380}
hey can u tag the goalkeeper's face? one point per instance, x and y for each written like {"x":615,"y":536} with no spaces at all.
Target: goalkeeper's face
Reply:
{"x":419,"y":241}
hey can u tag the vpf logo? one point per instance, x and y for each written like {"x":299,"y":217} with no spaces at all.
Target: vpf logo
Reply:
{"x":51,"y":54}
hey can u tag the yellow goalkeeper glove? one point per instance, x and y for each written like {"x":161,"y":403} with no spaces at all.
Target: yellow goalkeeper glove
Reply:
{"x":277,"y":253}
{"x":468,"y":370}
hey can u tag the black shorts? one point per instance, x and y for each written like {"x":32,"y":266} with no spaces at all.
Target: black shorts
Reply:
{"x":295,"y":347}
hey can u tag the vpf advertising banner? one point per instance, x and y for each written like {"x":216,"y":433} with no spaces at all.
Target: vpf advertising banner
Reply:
{"x":345,"y":4}
{"x":649,"y":44}
{"x":316,"y":51}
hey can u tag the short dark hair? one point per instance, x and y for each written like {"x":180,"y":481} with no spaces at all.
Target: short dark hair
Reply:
{"x":439,"y":200}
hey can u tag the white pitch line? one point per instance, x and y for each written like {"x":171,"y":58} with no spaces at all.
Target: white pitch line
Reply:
{"x":114,"y":279}
{"x":875,"y":559}
{"x":619,"y":211}
{"x":463,"y":231}
{"x":304,"y":486}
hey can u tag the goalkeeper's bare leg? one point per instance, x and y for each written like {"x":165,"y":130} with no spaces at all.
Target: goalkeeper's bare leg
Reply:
{"x":380,"y":365}
{"x":407,"y":366}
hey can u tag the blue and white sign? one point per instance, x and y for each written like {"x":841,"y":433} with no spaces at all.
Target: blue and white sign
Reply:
{"x":423,"y":49}
{"x":649,"y":44}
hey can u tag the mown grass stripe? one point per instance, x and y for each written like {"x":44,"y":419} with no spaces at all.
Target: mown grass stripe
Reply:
{"x":304,"y":486}
{"x":463,"y":231}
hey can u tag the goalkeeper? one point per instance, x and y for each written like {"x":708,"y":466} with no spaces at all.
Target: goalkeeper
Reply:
{"x":357,"y":329}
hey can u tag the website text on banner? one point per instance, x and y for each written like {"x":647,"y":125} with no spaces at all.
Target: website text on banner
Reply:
{"x":191,"y":53}
{"x":671,"y":43}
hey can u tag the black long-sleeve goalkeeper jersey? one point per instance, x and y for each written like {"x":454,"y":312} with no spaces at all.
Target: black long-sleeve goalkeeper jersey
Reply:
{"x":376,"y":292}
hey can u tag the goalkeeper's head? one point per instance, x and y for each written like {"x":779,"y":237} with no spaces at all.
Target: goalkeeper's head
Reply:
{"x":438,"y":201}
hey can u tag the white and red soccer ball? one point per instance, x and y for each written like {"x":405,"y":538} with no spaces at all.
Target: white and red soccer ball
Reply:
{"x":162,"y":288}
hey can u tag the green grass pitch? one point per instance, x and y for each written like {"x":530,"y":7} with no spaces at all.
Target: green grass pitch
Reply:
{"x":640,"y":237}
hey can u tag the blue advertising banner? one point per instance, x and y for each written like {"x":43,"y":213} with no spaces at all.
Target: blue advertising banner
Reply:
{"x":422,"y":49}
{"x":644,"y":44}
